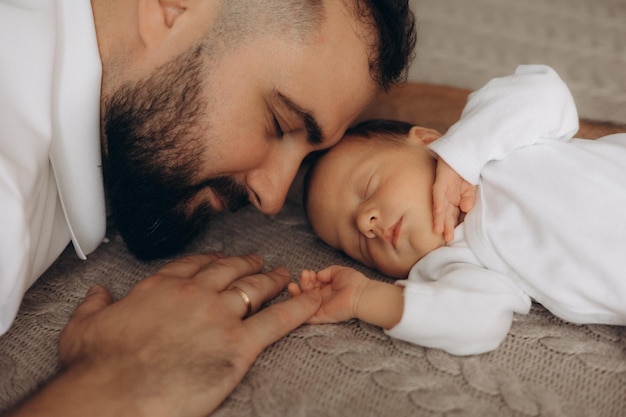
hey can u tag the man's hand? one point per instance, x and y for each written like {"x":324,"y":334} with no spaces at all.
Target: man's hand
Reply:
{"x":451,"y":196}
{"x":177,"y":344}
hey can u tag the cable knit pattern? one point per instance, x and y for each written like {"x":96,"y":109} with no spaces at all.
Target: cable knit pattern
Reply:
{"x":545,"y":367}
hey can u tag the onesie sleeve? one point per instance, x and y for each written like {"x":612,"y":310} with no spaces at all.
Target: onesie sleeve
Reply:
{"x":459,"y":307}
{"x":532,"y":105}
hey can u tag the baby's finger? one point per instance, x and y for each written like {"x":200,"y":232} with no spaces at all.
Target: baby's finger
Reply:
{"x":307,"y":280}
{"x":450,"y":224}
{"x":438,"y":222}
{"x":439,"y":205}
{"x":468,"y":199}
{"x":326,"y":275}
{"x":294,"y":289}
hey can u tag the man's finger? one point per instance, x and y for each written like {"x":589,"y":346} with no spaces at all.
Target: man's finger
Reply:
{"x":221,"y":273}
{"x":188,"y":266}
{"x":277,"y":320}
{"x":255,"y":289}
{"x":96,"y":299}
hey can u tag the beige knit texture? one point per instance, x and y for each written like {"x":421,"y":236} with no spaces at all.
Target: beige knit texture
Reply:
{"x":545,"y":367}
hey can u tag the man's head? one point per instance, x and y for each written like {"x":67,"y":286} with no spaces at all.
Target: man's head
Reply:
{"x":193,"y":125}
{"x":371,"y":195}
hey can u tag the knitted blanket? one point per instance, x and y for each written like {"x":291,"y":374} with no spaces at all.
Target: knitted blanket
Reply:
{"x":545,"y":367}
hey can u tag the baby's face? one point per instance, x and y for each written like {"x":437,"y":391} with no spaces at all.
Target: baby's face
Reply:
{"x":373,"y":200}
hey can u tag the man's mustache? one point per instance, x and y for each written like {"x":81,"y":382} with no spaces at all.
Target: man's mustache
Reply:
{"x":233,"y":194}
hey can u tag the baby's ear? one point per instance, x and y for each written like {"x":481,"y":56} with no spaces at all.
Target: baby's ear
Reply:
{"x":422,"y":135}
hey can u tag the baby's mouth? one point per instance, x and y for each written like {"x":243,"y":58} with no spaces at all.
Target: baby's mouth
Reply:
{"x":392,"y":234}
{"x":395,"y":233}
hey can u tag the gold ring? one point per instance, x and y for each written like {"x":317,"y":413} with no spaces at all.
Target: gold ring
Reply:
{"x":245,"y":299}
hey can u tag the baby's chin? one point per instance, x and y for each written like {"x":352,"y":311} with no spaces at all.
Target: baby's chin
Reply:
{"x":398,"y":270}
{"x":400,"y":266}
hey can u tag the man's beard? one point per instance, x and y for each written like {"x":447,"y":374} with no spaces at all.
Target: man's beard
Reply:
{"x":155,"y":145}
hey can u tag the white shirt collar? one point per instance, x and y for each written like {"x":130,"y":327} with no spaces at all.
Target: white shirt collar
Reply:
{"x":75,"y":151}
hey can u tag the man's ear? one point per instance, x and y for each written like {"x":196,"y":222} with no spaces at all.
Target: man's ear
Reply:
{"x":423,"y":135}
{"x":156,"y":18}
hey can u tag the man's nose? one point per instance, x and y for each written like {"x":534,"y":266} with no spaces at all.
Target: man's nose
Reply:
{"x":270,"y":183}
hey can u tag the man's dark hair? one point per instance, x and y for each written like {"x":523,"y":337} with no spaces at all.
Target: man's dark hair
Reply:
{"x":391,"y":22}
{"x":396,"y":38}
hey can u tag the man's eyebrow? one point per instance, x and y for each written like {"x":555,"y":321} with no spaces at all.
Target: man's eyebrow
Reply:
{"x":315,"y":136}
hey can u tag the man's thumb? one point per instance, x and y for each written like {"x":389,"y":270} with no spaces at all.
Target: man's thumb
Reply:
{"x":96,"y":299}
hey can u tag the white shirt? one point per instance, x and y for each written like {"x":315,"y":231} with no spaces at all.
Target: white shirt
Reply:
{"x":51,"y":188}
{"x":549,"y":221}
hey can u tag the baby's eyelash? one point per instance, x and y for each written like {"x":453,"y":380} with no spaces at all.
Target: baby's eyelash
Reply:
{"x":366,"y":189}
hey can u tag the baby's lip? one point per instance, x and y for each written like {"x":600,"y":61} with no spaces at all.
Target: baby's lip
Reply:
{"x":393,"y":233}
{"x":396,"y":233}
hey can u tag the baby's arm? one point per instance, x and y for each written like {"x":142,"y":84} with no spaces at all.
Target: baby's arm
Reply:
{"x":347,"y":293}
{"x":509,"y":112}
{"x":452,"y":302}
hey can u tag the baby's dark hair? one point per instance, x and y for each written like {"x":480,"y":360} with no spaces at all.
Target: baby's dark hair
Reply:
{"x":394,"y":131}
{"x":380,"y":128}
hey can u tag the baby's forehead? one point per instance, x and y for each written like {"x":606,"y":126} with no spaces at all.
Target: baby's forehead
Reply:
{"x":346,"y":153}
{"x":350,"y":144}
{"x":349,"y":152}
{"x":357,"y":148}
{"x":341,"y":162}
{"x":378,"y":140}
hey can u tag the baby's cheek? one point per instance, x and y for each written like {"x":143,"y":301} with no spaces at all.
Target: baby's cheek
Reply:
{"x":398,"y":268}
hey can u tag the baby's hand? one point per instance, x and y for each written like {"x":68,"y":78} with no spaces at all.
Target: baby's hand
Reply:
{"x":451,"y":194}
{"x":340,"y":287}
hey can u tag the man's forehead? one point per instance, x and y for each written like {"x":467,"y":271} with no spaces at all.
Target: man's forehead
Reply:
{"x":330,"y":76}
